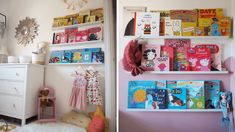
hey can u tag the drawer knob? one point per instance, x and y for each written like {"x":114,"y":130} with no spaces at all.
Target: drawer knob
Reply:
{"x":14,"y":106}
{"x":17,"y":74}
{"x":16,"y":89}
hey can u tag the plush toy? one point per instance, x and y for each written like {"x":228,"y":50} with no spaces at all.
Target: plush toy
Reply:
{"x":41,"y":48}
{"x":45,"y":101}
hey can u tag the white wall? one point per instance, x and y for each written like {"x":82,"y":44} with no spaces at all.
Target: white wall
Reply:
{"x":4,"y":10}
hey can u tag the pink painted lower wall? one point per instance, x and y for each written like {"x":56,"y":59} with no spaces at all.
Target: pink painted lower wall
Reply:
{"x":166,"y":121}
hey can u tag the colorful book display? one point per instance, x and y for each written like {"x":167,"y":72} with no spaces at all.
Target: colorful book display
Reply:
{"x":161,"y":64}
{"x":147,"y":24}
{"x":212,"y":89}
{"x":137,"y":94}
{"x":177,"y":98}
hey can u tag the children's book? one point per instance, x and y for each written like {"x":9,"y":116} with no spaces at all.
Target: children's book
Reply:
{"x":168,"y":27}
{"x":171,"y":84}
{"x":177,"y":98}
{"x":189,"y":28}
{"x":149,"y":54}
{"x":212,"y":90}
{"x":162,"y":64}
{"x":210,"y":13}
{"x":184,"y":15}
{"x":77,"y":56}
{"x":86,"y":14}
{"x":176,"y":27}
{"x":225,"y":27}
{"x":129,"y":20}
{"x":161,"y":84}
{"x":199,"y":59}
{"x":204,"y":27}
{"x":95,"y":49}
{"x":55,"y":57}
{"x":156,"y":99}
{"x":98,"y":13}
{"x":137,"y":94}
{"x":215,"y":50}
{"x":147,"y":24}
{"x":82,"y":36}
{"x":71,"y":32}
{"x":66,"y":56}
{"x":180,"y":53}
{"x":168,"y":52}
{"x":195,"y":95}
{"x":87,"y":56}
{"x":215,"y":27}
{"x":182,"y":84}
{"x":60,"y":38}
{"x":95,"y":33}
{"x":98,"y":57}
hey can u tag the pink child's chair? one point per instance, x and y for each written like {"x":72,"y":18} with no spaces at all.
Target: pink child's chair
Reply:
{"x":46,"y":104}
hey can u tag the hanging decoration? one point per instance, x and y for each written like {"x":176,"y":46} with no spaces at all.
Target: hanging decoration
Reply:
{"x":26,"y":31}
{"x":75,"y":4}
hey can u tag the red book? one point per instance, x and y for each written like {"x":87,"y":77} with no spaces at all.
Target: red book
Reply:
{"x":168,"y":52}
{"x":82,"y":36}
{"x":162,"y":64}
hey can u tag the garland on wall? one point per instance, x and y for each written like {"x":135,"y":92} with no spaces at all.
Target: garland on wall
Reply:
{"x":75,"y":4}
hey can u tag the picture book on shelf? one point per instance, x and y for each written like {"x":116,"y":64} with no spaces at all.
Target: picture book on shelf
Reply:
{"x":176,"y":27}
{"x":55,"y":57}
{"x":149,"y":53}
{"x":177,"y":98}
{"x":168,"y":27}
{"x":212,"y":90}
{"x":215,"y":50}
{"x":162,"y":64}
{"x":204,"y":27}
{"x":66,"y":56}
{"x":161,"y":84}
{"x":137,"y":93}
{"x":77,"y":55}
{"x":210,"y":13}
{"x":129,"y":20}
{"x":86,"y":56}
{"x":225,"y":27}
{"x":199,"y":59}
{"x":155,"y":99}
{"x":171,"y":84}
{"x":98,"y":13}
{"x":184,"y":15}
{"x":71,"y":32}
{"x":195,"y":95}
{"x":95,"y":33}
{"x":82,"y":36}
{"x":98,"y":57}
{"x":147,"y":24}
{"x":189,"y":28}
{"x":168,"y":52}
{"x":60,"y":38}
{"x":182,"y":84}
{"x":180,"y":53}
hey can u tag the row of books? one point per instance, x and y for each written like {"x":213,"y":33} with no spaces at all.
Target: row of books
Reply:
{"x":71,"y":35}
{"x":164,"y":94}
{"x":88,"y":55}
{"x":84,"y":16}
{"x":179,"y":55}
{"x":197,"y":22}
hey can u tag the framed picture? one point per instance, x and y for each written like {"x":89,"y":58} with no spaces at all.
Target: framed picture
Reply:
{"x":2,"y":24}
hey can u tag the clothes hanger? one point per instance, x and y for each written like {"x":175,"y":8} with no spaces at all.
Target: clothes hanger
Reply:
{"x":92,"y":69}
{"x":80,"y":70}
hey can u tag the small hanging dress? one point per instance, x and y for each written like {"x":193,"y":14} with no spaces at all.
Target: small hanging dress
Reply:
{"x":94,"y":95}
{"x":78,"y":95}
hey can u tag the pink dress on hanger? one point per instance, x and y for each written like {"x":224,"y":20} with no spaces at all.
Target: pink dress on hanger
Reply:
{"x":78,"y":95}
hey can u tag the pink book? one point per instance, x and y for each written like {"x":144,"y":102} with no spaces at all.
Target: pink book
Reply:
{"x":149,"y":53}
{"x":168,"y":52}
{"x":215,"y":50}
{"x":82,"y":36}
{"x":63,"y":38}
{"x":162,"y":64}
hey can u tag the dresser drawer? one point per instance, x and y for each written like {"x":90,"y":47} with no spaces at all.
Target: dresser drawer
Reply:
{"x":11,"y":105}
{"x":13,"y":88}
{"x":17,"y":74}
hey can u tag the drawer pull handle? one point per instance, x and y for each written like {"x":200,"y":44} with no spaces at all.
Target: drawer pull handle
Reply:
{"x":17,"y":74}
{"x":16,"y":89}
{"x":14,"y":106}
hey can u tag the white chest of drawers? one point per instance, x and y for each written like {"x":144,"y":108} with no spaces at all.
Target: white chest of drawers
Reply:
{"x":19,"y":84}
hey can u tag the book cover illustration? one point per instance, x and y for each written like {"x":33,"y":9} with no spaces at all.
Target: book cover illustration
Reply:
{"x":212,"y":90}
{"x":147,"y":24}
{"x":168,"y":27}
{"x":210,"y":13}
{"x":98,"y":13}
{"x":137,"y":94}
{"x":66,"y":56}
{"x":215,"y":50}
{"x":95,"y":33}
{"x":225,"y":27}
{"x":156,"y":99}
{"x":184,"y":15}
{"x":86,"y":56}
{"x":180,"y":53}
{"x":129,"y":19}
{"x":162,"y":64}
{"x":195,"y":95}
{"x":161,"y":84}
{"x":204,"y":27}
{"x":82,"y":36}
{"x":77,"y":56}
{"x":176,"y":27}
{"x":182,"y":84}
{"x":71,"y":32}
{"x":55,"y":57}
{"x":199,"y":59}
{"x":149,"y":53}
{"x":168,"y":52}
{"x":60,"y":38}
{"x":215,"y":27}
{"x":177,"y":98}
{"x":86,"y":14}
{"x":189,"y":28}
{"x":98,"y":57}
{"x":171,"y":84}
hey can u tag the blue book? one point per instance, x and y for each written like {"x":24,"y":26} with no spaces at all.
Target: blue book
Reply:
{"x":66,"y":56}
{"x":77,"y":55}
{"x":177,"y":98}
{"x":212,"y":90}
{"x":171,"y":84}
{"x":55,"y":57}
{"x":195,"y":95}
{"x":86,"y":56}
{"x":156,"y":99}
{"x":182,"y":84}
{"x":137,"y":93}
{"x":161,"y":84}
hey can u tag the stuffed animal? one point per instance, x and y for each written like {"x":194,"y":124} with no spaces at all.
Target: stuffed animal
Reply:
{"x":45,"y":101}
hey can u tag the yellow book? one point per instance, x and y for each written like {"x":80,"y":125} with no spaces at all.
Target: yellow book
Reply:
{"x":204,"y":27}
{"x":225,"y":26}
{"x":189,"y":28}
{"x":210,"y":13}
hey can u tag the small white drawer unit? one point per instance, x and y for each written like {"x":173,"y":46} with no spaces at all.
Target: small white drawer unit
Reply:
{"x":19,"y":84}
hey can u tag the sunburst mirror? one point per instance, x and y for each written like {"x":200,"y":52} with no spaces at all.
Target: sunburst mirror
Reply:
{"x":26,"y":31}
{"x":75,"y":4}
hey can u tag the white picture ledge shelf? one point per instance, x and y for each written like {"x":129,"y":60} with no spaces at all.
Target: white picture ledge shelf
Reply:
{"x":72,"y":64}
{"x":174,"y":110}
{"x":78,"y":25}
{"x":183,"y":37}
{"x":187,"y":72}
{"x":77,"y":43}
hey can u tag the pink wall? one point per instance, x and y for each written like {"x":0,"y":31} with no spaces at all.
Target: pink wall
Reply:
{"x":166,"y":121}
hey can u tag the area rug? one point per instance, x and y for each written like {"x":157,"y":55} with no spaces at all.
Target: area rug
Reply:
{"x":49,"y":127}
